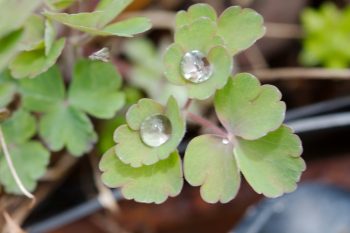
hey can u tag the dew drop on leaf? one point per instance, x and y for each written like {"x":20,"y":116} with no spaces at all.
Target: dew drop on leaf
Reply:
{"x":155,"y":130}
{"x":195,"y":67}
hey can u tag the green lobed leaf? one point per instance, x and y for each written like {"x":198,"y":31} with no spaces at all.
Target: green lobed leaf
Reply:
{"x":95,"y":22}
{"x":9,"y":47}
{"x":196,"y":36}
{"x":95,"y":89}
{"x":44,"y":92}
{"x":60,"y":4}
{"x":49,"y":36}
{"x":209,"y":163}
{"x":247,"y":109}
{"x":33,"y":33}
{"x":240,"y":28}
{"x":85,"y":21}
{"x":34,"y":62}
{"x":13,"y":14}
{"x":65,"y":126}
{"x":8,"y":89}
{"x":111,"y":9}
{"x":127,"y":28}
{"x":19,"y":128}
{"x":271,"y":164}
{"x":193,"y":13}
{"x":148,"y":184}
{"x":138,"y":112}
{"x":30,"y":160}
{"x":130,"y":148}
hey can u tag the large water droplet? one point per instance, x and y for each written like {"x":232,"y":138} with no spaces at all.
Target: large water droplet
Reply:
{"x":195,"y":67}
{"x":155,"y":130}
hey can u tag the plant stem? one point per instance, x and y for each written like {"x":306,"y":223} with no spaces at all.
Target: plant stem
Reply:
{"x":12,"y":168}
{"x":206,"y":124}
{"x":187,"y":105}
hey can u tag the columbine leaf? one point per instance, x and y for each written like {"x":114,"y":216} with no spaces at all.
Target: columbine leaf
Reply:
{"x":20,"y":127}
{"x":60,"y":4}
{"x":86,"y":21}
{"x":146,"y":184}
{"x":111,"y":9}
{"x":127,"y":28}
{"x":9,"y":47}
{"x":209,"y":163}
{"x":13,"y":14}
{"x":95,"y":89}
{"x":196,"y":36}
{"x":44,"y":92}
{"x":247,"y":109}
{"x":33,"y":33}
{"x":34,"y":62}
{"x":138,"y":112}
{"x":271,"y":164}
{"x":240,"y":28}
{"x":130,"y":148}
{"x":193,"y":13}
{"x":8,"y":89}
{"x":30,"y":160}
{"x":95,"y":22}
{"x":49,"y":36}
{"x":67,"y":126}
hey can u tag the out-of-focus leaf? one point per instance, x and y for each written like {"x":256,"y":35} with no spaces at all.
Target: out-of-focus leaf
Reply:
{"x":32,"y":63}
{"x":13,"y":14}
{"x":44,"y":92}
{"x":9,"y":47}
{"x":95,"y":22}
{"x":8,"y":89}
{"x":49,"y":36}
{"x":127,"y":28}
{"x":60,"y":4}
{"x":30,"y":158}
{"x":95,"y":88}
{"x":65,"y":126}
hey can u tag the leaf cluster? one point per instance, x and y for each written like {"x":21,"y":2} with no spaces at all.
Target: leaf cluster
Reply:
{"x":327,"y":34}
{"x":254,"y":141}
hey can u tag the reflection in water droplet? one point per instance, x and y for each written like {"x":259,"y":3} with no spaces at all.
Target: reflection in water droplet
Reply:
{"x":225,"y":141}
{"x":195,"y":67}
{"x":155,"y":130}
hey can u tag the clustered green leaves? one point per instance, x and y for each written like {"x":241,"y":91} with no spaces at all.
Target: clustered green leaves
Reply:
{"x":254,"y":142}
{"x":56,"y":110}
{"x":327,"y":35}
{"x":63,"y":120}
{"x":28,"y":41}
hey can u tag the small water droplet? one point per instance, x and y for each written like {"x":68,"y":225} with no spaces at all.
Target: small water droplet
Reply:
{"x":195,"y":67}
{"x":225,"y":141}
{"x":102,"y":55}
{"x":155,"y":130}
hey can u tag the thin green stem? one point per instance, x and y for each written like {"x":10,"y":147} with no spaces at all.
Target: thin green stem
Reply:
{"x":12,"y":168}
{"x":206,"y":124}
